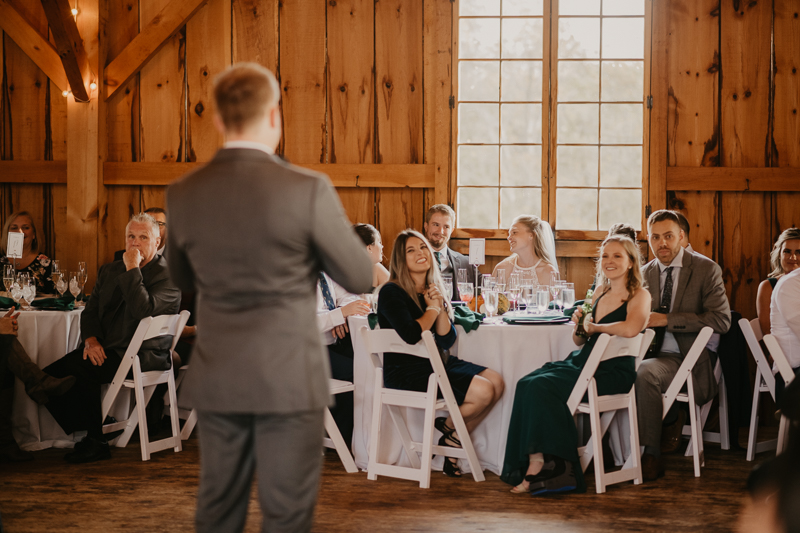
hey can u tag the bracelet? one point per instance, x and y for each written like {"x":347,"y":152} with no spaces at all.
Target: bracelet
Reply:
{"x":437,"y":309}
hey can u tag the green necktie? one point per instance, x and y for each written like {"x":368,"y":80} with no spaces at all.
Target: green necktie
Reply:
{"x":438,"y":259}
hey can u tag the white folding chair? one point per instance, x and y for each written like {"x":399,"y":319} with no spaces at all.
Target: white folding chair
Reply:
{"x":334,"y":439}
{"x":674,"y":393}
{"x":786,"y":372}
{"x":723,"y":437}
{"x":765,"y":382}
{"x":189,"y":416}
{"x":609,"y":347}
{"x":419,"y":453}
{"x":144,"y":384}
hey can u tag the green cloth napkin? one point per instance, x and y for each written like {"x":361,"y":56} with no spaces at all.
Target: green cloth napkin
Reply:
{"x":372,"y":319}
{"x":8,"y":303}
{"x":568,"y":312}
{"x":65,"y":303}
{"x":467,"y":318}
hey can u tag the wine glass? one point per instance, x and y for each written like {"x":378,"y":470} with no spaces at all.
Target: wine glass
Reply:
{"x":8,"y":277}
{"x":61,"y":285}
{"x":513,"y":290}
{"x":55,"y":272}
{"x":462,"y":276}
{"x":528,"y":297}
{"x":555,"y":291}
{"x":82,"y":277}
{"x":489,"y":281}
{"x":542,"y":298}
{"x":16,"y":291}
{"x":568,"y":295}
{"x":448,"y":288}
{"x":490,"y":301}
{"x":467,"y":292}
{"x":74,"y":285}
{"x":29,"y":292}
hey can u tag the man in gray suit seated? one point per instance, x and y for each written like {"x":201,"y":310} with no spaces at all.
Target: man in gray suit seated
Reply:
{"x":440,"y":221}
{"x":250,"y":233}
{"x":688,"y":294}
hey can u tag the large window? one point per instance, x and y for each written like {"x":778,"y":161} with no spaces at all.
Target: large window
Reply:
{"x":550,"y":112}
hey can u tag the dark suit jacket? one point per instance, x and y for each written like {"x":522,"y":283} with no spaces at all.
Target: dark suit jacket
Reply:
{"x":457,"y":261}
{"x":120,"y":299}
{"x":249,"y":234}
{"x":700,"y":301}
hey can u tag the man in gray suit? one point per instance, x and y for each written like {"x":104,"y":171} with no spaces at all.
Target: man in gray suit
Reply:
{"x":440,"y":220}
{"x":250,"y":234}
{"x":688,"y":294}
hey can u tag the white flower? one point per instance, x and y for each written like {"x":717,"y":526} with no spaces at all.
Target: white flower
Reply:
{"x":44,"y":260}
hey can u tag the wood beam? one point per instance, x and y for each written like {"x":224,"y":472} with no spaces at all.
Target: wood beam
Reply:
{"x":164,"y":25}
{"x":33,"y":171}
{"x":342,"y":175}
{"x":783,"y":179}
{"x":33,"y":44}
{"x":70,"y":46}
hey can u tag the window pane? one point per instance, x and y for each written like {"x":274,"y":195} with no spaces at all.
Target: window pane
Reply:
{"x":579,"y":38}
{"x":478,"y":123}
{"x":578,"y":81}
{"x":623,"y":38}
{"x":479,"y":38}
{"x":479,"y":81}
{"x":576,"y":209}
{"x":515,"y":202}
{"x":620,"y":166}
{"x":623,"y":81}
{"x":621,"y":123}
{"x":478,"y":165}
{"x":522,"y":38}
{"x":623,"y":7}
{"x":522,"y":7}
{"x":578,"y":123}
{"x":521,"y":165}
{"x":577,"y":166}
{"x":471,"y":8}
{"x":579,"y":7}
{"x":522,"y":81}
{"x":620,"y":206}
{"x":521,"y":123}
{"x":477,"y":208}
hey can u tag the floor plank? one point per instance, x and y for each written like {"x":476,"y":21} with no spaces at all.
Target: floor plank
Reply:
{"x":126,"y":494}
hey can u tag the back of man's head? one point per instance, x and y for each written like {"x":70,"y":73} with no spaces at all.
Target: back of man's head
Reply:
{"x":244,"y":93}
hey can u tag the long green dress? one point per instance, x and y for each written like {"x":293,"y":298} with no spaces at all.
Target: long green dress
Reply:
{"x":540,"y":419}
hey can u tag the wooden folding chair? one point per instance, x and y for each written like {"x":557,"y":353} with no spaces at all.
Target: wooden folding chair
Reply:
{"x":189,"y":416}
{"x":786,"y":372}
{"x":143,"y":385}
{"x":334,"y":439}
{"x":765,"y":382}
{"x":608,"y":347}
{"x":420,"y":454}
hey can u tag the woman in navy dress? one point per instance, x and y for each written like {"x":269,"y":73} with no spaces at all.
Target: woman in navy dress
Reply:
{"x":412,"y":302}
{"x":541,"y":449}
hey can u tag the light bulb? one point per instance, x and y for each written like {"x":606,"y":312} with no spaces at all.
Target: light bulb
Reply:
{"x":93,"y":86}
{"x":64,"y":93}
{"x":74,"y":12}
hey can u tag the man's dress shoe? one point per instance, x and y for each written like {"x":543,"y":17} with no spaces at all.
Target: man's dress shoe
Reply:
{"x":88,"y":451}
{"x":672,"y":434}
{"x":652,"y":467}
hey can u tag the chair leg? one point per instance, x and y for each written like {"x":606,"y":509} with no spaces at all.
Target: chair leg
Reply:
{"x":724,"y":428}
{"x":338,"y":443}
{"x":188,"y":425}
{"x":174,"y":417}
{"x":782,"y":436}
{"x":635,"y":459}
{"x":597,"y":439}
{"x":375,"y":430}
{"x":141,"y":403}
{"x":405,"y":437}
{"x":697,"y":438}
{"x":752,"y":436}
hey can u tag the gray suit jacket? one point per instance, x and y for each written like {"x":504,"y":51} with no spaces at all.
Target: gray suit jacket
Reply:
{"x":458,"y":260}
{"x":249,"y":234}
{"x":700,"y":301}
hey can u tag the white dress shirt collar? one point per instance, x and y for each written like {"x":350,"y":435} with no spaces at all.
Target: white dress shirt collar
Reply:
{"x":251,"y":145}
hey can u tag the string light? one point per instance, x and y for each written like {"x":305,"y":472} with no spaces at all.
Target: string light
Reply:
{"x":93,"y":86}
{"x":65,"y":93}
{"x":74,"y":11}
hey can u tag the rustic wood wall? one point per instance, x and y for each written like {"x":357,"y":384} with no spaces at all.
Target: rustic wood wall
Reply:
{"x":362,"y":82}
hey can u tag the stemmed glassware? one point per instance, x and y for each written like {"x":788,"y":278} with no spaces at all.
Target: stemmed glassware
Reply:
{"x":462,"y":276}
{"x":568,"y":295}
{"x":75,"y":285}
{"x":61,"y":285}
{"x":514,"y":288}
{"x":55,"y":273}
{"x":448,"y":287}
{"x":542,"y":298}
{"x":528,"y":297}
{"x":467,"y":291}
{"x":490,"y":297}
{"x":28,"y":292}
{"x":8,"y":278}
{"x":82,"y":276}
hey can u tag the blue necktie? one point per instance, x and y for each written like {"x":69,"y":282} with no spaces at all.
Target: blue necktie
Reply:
{"x":326,"y":292}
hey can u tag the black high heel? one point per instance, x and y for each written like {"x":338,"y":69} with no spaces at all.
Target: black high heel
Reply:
{"x":450,"y":465}
{"x":441,"y":424}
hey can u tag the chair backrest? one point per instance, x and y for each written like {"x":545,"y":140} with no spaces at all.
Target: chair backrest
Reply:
{"x":752,"y":334}
{"x":775,"y":350}
{"x":149,"y":327}
{"x":606,"y":347}
{"x":686,"y":367}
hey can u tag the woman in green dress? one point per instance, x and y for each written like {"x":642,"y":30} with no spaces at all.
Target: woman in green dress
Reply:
{"x":542,"y":446}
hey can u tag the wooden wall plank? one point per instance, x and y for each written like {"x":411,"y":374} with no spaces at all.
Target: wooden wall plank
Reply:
{"x":351,"y":93}
{"x":208,"y":45}
{"x":304,"y":96}
{"x":752,"y":179}
{"x":122,"y":119}
{"x":693,"y":52}
{"x":399,"y":88}
{"x":659,"y":115}
{"x":163,"y":94}
{"x":701,"y":209}
{"x":256,"y":29}
{"x":442,"y":29}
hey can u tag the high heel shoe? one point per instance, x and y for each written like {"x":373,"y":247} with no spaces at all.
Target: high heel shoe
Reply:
{"x":450,"y":465}
{"x":560,"y":479}
{"x":441,"y":424}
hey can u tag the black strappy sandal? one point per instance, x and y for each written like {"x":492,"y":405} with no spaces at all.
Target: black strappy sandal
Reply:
{"x":450,"y":466}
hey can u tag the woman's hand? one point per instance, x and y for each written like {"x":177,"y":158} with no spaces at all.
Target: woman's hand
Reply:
{"x":589,"y":326}
{"x":433,"y":297}
{"x":8,"y":323}
{"x":358,"y":307}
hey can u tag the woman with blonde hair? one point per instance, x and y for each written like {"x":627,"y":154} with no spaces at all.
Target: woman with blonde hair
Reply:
{"x":411,"y":302}
{"x":541,"y":450}
{"x":37,"y":265}
{"x":533,"y":250}
{"x":784,"y":258}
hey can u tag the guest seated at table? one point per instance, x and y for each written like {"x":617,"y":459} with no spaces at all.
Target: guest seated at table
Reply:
{"x":334,"y":305}
{"x":785,"y":319}
{"x":160,"y":217}
{"x":37,"y":265}
{"x":533,"y":251}
{"x":541,"y":450}
{"x":372,"y":240}
{"x":784,"y":258}
{"x":622,"y":228}
{"x":440,"y":221}
{"x":411,"y":302}
{"x":125,"y":292}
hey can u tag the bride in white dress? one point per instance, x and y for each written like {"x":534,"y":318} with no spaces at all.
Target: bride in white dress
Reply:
{"x":533,"y":253}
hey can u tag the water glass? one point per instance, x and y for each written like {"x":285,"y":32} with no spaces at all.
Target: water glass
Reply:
{"x":448,"y":288}
{"x":490,"y":297}
{"x":61,"y":285}
{"x":528,"y":297}
{"x":568,"y":295}
{"x":462,"y":276}
{"x":74,"y":285}
{"x":513,"y":289}
{"x":467,"y":291}
{"x":29,"y":293}
{"x":8,"y":276}
{"x":542,"y":298}
{"x":489,"y":281}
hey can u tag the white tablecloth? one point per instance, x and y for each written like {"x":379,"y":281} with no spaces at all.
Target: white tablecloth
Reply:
{"x":47,"y":336}
{"x":512,"y":351}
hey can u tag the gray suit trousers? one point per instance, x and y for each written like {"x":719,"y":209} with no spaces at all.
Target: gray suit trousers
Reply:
{"x":284,"y":450}
{"x":652,"y":380}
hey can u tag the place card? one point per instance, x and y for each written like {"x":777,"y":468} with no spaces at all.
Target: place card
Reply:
{"x":14,"y":248}
{"x":477,"y":251}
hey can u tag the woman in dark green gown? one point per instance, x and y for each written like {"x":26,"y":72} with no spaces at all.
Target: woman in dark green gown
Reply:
{"x":541,"y":449}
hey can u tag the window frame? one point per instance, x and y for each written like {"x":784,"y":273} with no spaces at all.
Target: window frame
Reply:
{"x":549,"y":123}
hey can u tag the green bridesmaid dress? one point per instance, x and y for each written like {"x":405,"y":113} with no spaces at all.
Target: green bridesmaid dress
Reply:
{"x":540,"y":419}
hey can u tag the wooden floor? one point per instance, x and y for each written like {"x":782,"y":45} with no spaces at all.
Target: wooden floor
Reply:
{"x":125,"y":494}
